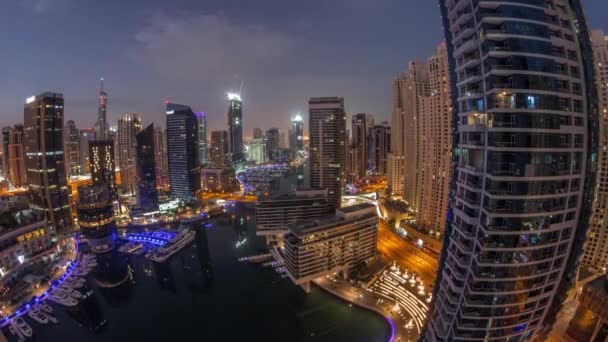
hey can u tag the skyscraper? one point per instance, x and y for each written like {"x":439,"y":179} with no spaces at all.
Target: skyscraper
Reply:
{"x":128,"y":127}
{"x":327,"y":125}
{"x":44,"y":161}
{"x":16,"y":160}
{"x":96,"y":216}
{"x":257,"y":133}
{"x":86,"y":136}
{"x":184,"y":166}
{"x":101,"y":125}
{"x":361,"y":124}
{"x":6,"y":131}
{"x":72,"y":149}
{"x":396,"y":157}
{"x":378,"y":145}
{"x":256,"y":151}
{"x":202,"y":137}
{"x":235,"y":128}
{"x":524,"y":180}
{"x":147,"y":195}
{"x":161,"y":161}
{"x":103,"y":165}
{"x":596,"y":246}
{"x":296,"y":134}
{"x":272,"y":143}
{"x":218,"y":148}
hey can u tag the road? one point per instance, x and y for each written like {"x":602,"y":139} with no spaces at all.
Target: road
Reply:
{"x":407,"y":254}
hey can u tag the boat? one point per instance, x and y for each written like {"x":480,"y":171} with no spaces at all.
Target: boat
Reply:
{"x":49,"y":317}
{"x":61,"y":297}
{"x":136,"y":247}
{"x":179,"y":242}
{"x":65,"y":287}
{"x":38,"y":316}
{"x":45,"y":307}
{"x":22,"y":327}
{"x":15,"y":332}
{"x":75,"y":294}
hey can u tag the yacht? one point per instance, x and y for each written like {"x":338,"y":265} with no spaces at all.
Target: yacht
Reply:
{"x":15,"y":332}
{"x":45,"y":307}
{"x":65,"y":287}
{"x":75,"y":294}
{"x":179,"y":241}
{"x":38,"y":316}
{"x":22,"y":327}
{"x":59,"y":296}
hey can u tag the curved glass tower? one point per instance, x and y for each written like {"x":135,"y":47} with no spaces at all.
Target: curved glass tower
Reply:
{"x":526,"y":140}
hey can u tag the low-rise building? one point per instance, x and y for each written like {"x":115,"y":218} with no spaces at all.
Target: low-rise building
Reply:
{"x":219,"y":179}
{"x":330,"y":244}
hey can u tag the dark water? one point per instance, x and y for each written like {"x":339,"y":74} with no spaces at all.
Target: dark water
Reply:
{"x":204,"y":294}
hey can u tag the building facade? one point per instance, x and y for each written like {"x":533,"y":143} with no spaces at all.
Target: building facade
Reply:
{"x":182,"y":138}
{"x":86,"y":135}
{"x":128,"y":127}
{"x":6,"y":131}
{"x":378,"y":145}
{"x":103,"y":166}
{"x":161,"y":161}
{"x":524,"y":180}
{"x":202,"y":137}
{"x":16,"y":159}
{"x":330,"y":244}
{"x":101,"y":125}
{"x":235,"y":128}
{"x":218,"y":148}
{"x":296,"y":135}
{"x":72,"y":149}
{"x":256,"y":151}
{"x":327,"y":125}
{"x":360,"y":129}
{"x":257,"y":133}
{"x":219,"y":180}
{"x":96,"y":217}
{"x":44,"y":161}
{"x":147,"y":194}
{"x":272,"y":143}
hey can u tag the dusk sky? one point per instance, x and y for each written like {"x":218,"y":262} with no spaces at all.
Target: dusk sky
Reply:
{"x":194,"y":51}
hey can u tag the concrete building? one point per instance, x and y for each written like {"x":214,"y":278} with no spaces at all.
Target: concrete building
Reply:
{"x":296,"y":135}
{"x":219,"y":180}
{"x":327,"y":124}
{"x":16,"y":159}
{"x":44,"y":161}
{"x":96,"y":217}
{"x":86,"y":135}
{"x":147,"y":194}
{"x":235,"y":129}
{"x":360,"y":129}
{"x":184,"y":166}
{"x":596,"y":246}
{"x":103,"y":165}
{"x":202,"y":137}
{"x":256,"y":151}
{"x":161,"y":160}
{"x":396,"y":156}
{"x":525,"y":176}
{"x":272,"y":143}
{"x":329,"y":244}
{"x":72,"y":149}
{"x":378,"y":145}
{"x":6,"y":131}
{"x":218,"y":148}
{"x":275,"y":213}
{"x":128,"y":127}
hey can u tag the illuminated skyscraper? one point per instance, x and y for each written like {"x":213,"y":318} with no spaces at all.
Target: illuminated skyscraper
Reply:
{"x":161,"y":161}
{"x":296,"y":134}
{"x":147,"y":195}
{"x":44,"y":161}
{"x":96,"y":217}
{"x":526,"y":120}
{"x":235,"y":128}
{"x":257,"y":133}
{"x":101,"y":126}
{"x":103,"y":165}
{"x":219,"y":148}
{"x":327,"y":125}
{"x":378,"y":145}
{"x":361,"y":125}
{"x":272,"y":143}
{"x":202,"y":137}
{"x":86,"y":136}
{"x":16,"y":160}
{"x":6,"y":131}
{"x":184,"y":166}
{"x":128,"y":127}
{"x":72,"y":149}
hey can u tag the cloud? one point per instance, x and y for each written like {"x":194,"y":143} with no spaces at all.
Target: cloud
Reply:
{"x":39,"y":6}
{"x":209,"y":48}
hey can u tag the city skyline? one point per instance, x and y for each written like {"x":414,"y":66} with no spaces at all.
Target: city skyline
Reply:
{"x":135,"y":84}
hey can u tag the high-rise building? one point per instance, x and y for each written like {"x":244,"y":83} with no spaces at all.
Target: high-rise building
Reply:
{"x":147,"y":195}
{"x":272,"y":143}
{"x":327,"y":125}
{"x":378,"y":145}
{"x":522,"y":79}
{"x":329,"y":244}
{"x":296,"y":134}
{"x":218,"y":148}
{"x":396,"y":157}
{"x":161,"y":161}
{"x":361,"y":124}
{"x":72,"y":149}
{"x":256,"y":150}
{"x":86,"y":136}
{"x":184,"y":166}
{"x":16,"y":159}
{"x":128,"y":127}
{"x":257,"y":133}
{"x":44,"y":161}
{"x":202,"y":137}
{"x":103,"y":165}
{"x":101,"y":125}
{"x":6,"y":132}
{"x":96,"y":216}
{"x":596,"y":247}
{"x":235,"y":128}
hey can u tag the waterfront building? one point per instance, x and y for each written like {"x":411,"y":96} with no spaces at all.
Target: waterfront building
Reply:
{"x":86,"y":135}
{"x":219,"y":180}
{"x":202,"y":137}
{"x":272,"y":143}
{"x":101,"y":125}
{"x":72,"y":149}
{"x":256,"y":151}
{"x":330,"y":244}
{"x":235,"y":128}
{"x":596,"y":246}
{"x":182,"y":148}
{"x":522,"y":79}
{"x":103,"y":165}
{"x":161,"y":161}
{"x":16,"y":159}
{"x":128,"y":127}
{"x":296,"y":135}
{"x":275,"y":213}
{"x":378,"y":145}
{"x":218,"y":148}
{"x":44,"y":161}
{"x":96,"y":217}
{"x":327,"y":124}
{"x":360,"y":128}
{"x":147,"y":195}
{"x":257,"y":133}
